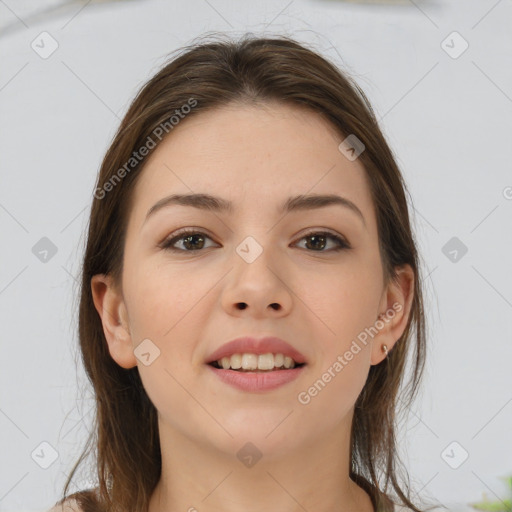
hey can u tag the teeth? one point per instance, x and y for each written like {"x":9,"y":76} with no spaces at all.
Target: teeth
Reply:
{"x":288,"y":362}
{"x":235,"y":363}
{"x":256,"y":362}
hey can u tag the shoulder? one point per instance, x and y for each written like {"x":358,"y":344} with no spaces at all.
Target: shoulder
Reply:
{"x":68,"y":505}
{"x":81,"y":501}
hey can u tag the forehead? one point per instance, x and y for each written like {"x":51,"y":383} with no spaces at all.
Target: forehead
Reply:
{"x":254,"y":156}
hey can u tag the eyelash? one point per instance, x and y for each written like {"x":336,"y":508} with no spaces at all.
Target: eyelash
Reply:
{"x":169,"y":242}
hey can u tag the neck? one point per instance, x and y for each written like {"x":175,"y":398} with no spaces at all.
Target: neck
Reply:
{"x":196,"y":477}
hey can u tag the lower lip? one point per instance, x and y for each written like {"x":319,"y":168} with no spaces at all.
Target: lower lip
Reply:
{"x":257,"y":381}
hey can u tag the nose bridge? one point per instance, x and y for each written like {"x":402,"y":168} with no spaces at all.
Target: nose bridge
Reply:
{"x":255,"y":260}
{"x":259,"y":244}
{"x":256,"y":283}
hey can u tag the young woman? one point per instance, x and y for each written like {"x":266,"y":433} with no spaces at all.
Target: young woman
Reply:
{"x":250,"y":292}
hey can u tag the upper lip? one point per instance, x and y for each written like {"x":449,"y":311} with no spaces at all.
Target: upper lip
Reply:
{"x":251,"y":345}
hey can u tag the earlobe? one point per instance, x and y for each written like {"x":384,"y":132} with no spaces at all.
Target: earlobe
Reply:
{"x":110,"y":306}
{"x":394,"y":313}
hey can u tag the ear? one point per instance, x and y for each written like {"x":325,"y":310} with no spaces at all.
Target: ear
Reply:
{"x":110,"y":305}
{"x":394,"y":312}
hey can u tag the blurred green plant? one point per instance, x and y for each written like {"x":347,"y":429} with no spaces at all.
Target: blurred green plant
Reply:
{"x":496,"y":506}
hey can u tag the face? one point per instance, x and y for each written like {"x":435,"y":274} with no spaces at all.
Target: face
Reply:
{"x":312,"y":277}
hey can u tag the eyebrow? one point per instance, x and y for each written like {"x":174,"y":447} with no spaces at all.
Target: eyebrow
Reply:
{"x":217,"y":204}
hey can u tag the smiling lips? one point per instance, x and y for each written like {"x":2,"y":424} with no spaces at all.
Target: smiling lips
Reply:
{"x":261,"y":362}
{"x":252,"y":364}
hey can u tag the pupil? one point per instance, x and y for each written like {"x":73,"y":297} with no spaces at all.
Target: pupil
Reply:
{"x":316,"y":238}
{"x":187,"y":239}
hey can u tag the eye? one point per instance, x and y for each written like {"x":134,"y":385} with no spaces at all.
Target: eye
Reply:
{"x":192,"y":241}
{"x":318,"y":240}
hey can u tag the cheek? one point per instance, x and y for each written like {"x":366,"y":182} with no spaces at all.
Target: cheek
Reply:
{"x":170,"y":306}
{"x":165,"y":306}
{"x":341,"y":300}
{"x":332,"y":394}
{"x":162,"y":301}
{"x":346,"y":300}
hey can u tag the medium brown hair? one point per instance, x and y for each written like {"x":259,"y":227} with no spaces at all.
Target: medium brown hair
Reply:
{"x":214,"y":74}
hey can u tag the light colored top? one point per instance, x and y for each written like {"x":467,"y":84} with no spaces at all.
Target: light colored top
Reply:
{"x":71,"y":505}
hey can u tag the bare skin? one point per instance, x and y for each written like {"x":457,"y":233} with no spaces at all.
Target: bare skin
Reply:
{"x":186,"y":303}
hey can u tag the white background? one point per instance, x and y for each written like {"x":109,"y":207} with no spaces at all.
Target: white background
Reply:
{"x":448,"y":120}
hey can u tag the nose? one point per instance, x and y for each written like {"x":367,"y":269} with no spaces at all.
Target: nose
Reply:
{"x":258,"y":287}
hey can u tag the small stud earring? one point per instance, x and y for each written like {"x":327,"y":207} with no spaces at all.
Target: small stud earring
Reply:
{"x":385,"y":349}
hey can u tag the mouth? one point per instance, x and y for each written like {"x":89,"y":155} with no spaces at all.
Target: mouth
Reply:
{"x":249,"y":353}
{"x":256,"y":373}
{"x":256,"y":363}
